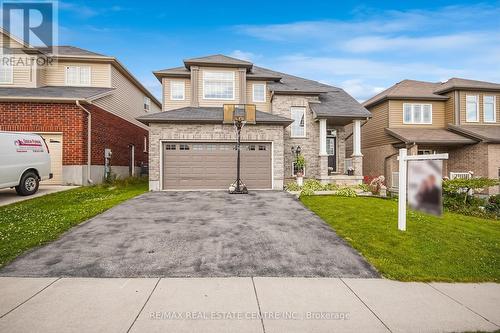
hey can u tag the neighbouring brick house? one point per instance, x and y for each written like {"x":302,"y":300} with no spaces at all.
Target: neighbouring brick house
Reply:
{"x":192,"y":148}
{"x":460,"y":117}
{"x":59,"y":100}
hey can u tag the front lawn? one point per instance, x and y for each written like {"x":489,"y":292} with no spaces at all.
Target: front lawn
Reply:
{"x":37,"y":221}
{"x":452,"y":248}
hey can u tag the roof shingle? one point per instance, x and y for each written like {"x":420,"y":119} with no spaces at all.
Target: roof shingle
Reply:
{"x":51,"y":92}
{"x":206,"y":115}
{"x":431,"y":136}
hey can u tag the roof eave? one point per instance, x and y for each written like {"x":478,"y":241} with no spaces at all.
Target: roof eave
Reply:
{"x":44,"y":99}
{"x":442,"y":91}
{"x":396,"y":98}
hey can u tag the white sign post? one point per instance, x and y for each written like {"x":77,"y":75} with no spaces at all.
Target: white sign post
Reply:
{"x":403,"y":171}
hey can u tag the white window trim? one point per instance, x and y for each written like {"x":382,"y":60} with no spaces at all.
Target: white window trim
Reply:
{"x":477,"y":110}
{"x":146,"y":98}
{"x":293,"y":169}
{"x":253,"y":92}
{"x":79,"y":79}
{"x":412,"y":121}
{"x":183,"y":90}
{"x":145,"y":144}
{"x":11,"y":76}
{"x":305,"y":124}
{"x":219,"y":99}
{"x":494,"y":109}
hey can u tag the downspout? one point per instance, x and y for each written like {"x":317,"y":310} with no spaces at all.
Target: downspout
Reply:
{"x":89,"y":140}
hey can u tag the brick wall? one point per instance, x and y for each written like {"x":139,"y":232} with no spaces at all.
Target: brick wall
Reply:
{"x":49,"y":117}
{"x":111,"y":131}
{"x":217,"y":133}
{"x":108,"y":130}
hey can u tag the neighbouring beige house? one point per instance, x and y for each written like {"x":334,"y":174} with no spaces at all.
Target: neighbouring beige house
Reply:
{"x":460,"y":117}
{"x":81,"y":102}
{"x":191,"y":147}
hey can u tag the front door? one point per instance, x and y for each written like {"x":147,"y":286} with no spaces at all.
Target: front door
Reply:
{"x":331,"y":145}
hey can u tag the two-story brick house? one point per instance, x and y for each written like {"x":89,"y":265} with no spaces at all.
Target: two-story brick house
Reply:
{"x":191,"y":148}
{"x":81,"y":102}
{"x":460,"y":117}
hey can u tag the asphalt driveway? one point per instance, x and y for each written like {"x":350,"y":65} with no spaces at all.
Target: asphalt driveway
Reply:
{"x":198,"y":234}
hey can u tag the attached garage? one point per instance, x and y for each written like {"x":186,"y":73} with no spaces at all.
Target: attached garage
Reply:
{"x":212,"y":165}
{"x":193,"y":149}
{"x":54,"y":142}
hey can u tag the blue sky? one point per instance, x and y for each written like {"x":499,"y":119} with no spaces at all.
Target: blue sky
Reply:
{"x":361,"y":47}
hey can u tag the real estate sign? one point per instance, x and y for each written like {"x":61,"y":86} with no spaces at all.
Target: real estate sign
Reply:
{"x":425,"y":186}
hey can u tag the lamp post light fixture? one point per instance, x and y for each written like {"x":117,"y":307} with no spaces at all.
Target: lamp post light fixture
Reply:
{"x":296,"y":151}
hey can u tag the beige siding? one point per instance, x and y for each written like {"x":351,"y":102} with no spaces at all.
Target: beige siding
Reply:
{"x":216,"y":102}
{"x":396,"y":114}
{"x":449,"y":108}
{"x":481,"y":114}
{"x":373,"y":132}
{"x":11,"y":43}
{"x":100,"y":73}
{"x":22,"y":77}
{"x":266,"y":107}
{"x":126,"y":101}
{"x":168,"y":103}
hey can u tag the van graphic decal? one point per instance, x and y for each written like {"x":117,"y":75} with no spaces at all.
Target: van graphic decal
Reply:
{"x":25,"y":145}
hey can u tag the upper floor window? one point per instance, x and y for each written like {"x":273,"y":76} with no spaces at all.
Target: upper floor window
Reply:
{"x":417,"y":113}
{"x":489,"y":109}
{"x":218,"y":85}
{"x":472,"y":108}
{"x":147,"y":104}
{"x":78,"y":75}
{"x":177,"y":89}
{"x":299,"y":121}
{"x":259,"y":92}
{"x":6,"y":74}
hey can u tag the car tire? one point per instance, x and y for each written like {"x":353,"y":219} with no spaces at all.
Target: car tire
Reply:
{"x":29,"y":184}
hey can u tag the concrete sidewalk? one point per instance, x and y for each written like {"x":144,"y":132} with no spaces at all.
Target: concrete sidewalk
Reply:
{"x":245,"y":305}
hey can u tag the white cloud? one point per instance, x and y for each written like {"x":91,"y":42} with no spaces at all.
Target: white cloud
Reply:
{"x":376,"y":49}
{"x":243,"y":55}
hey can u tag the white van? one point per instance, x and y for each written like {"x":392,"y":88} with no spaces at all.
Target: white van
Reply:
{"x":24,"y":161}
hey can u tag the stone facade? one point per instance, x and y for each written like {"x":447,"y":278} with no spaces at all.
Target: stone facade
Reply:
{"x":316,"y":165}
{"x":214,"y":133}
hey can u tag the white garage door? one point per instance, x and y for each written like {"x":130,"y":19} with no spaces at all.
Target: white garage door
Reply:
{"x":54,"y":142}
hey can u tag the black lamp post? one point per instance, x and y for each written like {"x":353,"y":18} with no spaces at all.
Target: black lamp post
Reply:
{"x":240,"y":187}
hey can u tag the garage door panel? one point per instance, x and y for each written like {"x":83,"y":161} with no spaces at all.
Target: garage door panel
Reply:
{"x":55,"y":143}
{"x":213,"y":166}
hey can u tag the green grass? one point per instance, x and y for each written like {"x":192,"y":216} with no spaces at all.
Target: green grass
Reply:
{"x":37,"y":221}
{"x":449,"y":248}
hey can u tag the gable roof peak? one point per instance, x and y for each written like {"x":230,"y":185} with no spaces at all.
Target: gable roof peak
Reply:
{"x":218,"y":60}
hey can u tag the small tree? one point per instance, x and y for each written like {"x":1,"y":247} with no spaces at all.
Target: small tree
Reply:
{"x":460,"y":185}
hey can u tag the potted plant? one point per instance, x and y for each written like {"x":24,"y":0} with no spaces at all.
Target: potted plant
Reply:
{"x":300,"y":163}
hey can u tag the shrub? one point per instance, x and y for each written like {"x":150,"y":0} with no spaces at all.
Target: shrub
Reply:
{"x":292,"y":186}
{"x":461,"y":185}
{"x":364,"y":187}
{"x":346,"y":192}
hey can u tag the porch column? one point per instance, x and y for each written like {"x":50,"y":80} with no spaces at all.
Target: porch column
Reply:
{"x":322,"y":137}
{"x":323,"y":156}
{"x":357,"y":157}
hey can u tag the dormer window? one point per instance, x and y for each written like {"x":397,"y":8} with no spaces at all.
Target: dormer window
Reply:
{"x":218,"y":85}
{"x":78,"y":75}
{"x":6,"y":74}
